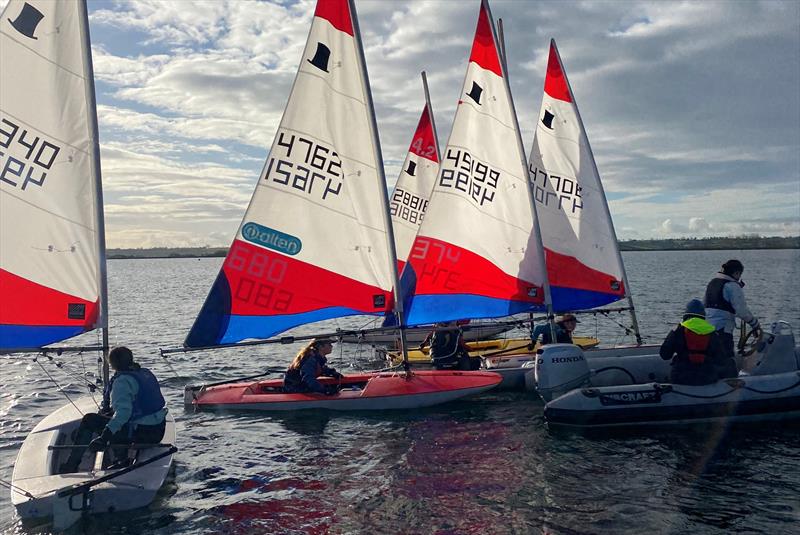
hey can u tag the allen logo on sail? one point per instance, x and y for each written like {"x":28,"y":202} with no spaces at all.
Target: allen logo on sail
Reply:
{"x":272,"y":239}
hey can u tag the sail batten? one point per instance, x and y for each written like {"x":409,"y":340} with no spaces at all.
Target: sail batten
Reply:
{"x":313,"y":243}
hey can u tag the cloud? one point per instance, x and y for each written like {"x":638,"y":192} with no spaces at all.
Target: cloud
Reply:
{"x":672,"y":96}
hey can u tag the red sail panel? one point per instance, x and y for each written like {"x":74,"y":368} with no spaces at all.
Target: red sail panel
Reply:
{"x":423,"y":144}
{"x":442,"y":268}
{"x":555,"y":83}
{"x":27,"y":303}
{"x":337,"y":12}
{"x":484,"y":51}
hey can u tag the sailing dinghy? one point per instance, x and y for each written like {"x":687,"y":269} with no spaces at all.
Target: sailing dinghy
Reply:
{"x":316,"y":241}
{"x":52,"y":267}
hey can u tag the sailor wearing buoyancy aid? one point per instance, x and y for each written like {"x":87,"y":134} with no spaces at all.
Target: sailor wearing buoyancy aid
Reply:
{"x":724,"y":301}
{"x":696,"y":350}
{"x":133,"y":410}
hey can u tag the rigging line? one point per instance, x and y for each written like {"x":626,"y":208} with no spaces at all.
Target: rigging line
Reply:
{"x":85,"y":373}
{"x":74,"y":375}
{"x":11,"y":486}
{"x":169,"y":365}
{"x":58,"y":386}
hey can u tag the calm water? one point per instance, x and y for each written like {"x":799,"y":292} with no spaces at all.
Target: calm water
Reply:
{"x":487,"y":466}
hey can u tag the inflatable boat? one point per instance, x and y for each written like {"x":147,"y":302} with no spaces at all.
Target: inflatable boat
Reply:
{"x":357,"y":392}
{"x":767,"y":389}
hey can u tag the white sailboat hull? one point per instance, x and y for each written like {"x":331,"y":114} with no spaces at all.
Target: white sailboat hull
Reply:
{"x":36,"y":483}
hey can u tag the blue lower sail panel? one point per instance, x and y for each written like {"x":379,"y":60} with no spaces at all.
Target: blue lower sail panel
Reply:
{"x":263,"y":327}
{"x":426,"y":309}
{"x":31,"y":336}
{"x":570,"y":299}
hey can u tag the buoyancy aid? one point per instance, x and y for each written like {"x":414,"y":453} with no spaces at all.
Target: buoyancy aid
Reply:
{"x":148,"y":400}
{"x":444,"y":343}
{"x":714,"y":297}
{"x":697,"y":333}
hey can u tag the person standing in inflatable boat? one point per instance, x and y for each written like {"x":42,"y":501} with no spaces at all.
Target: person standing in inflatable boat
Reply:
{"x":695,"y":348}
{"x":724,"y":301}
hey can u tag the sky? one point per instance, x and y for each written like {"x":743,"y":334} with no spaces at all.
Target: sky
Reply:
{"x":692,"y":108}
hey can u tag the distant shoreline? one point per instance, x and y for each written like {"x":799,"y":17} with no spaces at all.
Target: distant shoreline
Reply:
{"x":678,"y":244}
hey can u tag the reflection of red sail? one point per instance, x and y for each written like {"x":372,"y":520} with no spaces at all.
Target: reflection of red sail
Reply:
{"x":312,"y":515}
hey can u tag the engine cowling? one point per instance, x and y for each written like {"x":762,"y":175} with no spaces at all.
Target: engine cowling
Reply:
{"x":559,"y":369}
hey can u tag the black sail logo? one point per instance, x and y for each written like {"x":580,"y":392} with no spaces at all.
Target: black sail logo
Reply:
{"x":321,"y":57}
{"x":27,"y":21}
{"x":475,"y":93}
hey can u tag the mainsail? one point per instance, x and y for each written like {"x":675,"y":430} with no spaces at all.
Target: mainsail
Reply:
{"x":477,"y":254}
{"x":52,"y":266}
{"x":412,"y":192}
{"x":313,"y":244}
{"x":584,"y":266}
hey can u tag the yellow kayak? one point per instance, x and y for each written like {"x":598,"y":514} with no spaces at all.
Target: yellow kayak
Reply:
{"x":505,"y":347}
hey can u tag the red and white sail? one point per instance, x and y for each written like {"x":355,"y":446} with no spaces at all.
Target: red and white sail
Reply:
{"x":413,"y":190}
{"x":50,"y":207}
{"x":584,"y":266}
{"x":313,"y":242}
{"x":476,"y":254}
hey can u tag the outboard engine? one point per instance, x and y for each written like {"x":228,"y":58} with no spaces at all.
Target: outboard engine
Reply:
{"x":776,"y":352}
{"x":559,"y":369}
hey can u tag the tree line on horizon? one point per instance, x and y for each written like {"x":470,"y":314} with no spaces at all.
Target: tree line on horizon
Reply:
{"x":663,"y":244}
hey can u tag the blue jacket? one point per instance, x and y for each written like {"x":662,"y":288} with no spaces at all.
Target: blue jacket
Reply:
{"x":136,"y":399}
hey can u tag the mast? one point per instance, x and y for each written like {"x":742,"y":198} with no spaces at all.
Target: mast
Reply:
{"x":430,"y":116}
{"x":98,"y":182}
{"x":605,"y":201}
{"x":501,"y":36}
{"x":548,"y":300}
{"x":381,"y":176}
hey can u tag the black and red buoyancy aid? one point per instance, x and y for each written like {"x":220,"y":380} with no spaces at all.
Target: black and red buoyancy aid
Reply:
{"x":697,"y":344}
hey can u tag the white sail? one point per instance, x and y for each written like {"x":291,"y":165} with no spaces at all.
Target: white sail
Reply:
{"x":476,"y":254}
{"x":411,"y":194}
{"x":584,"y":266}
{"x":313,"y":242}
{"x":50,"y":258}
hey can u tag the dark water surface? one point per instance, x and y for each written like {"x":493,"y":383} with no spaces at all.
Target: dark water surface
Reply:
{"x":484,"y":466}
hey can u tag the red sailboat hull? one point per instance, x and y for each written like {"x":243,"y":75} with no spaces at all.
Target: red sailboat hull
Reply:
{"x":361,"y":392}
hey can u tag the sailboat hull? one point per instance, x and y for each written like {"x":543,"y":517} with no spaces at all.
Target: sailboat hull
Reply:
{"x":37,"y":483}
{"x":362,"y":392}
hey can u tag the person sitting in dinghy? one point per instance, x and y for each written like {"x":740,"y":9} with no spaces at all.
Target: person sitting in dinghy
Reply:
{"x":724,"y":301}
{"x":311,"y":362}
{"x":696,"y":350}
{"x":448,"y":349}
{"x":563,"y":327}
{"x":133,"y":411}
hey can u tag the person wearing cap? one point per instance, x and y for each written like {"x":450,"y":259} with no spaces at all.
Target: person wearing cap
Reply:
{"x":724,"y":301}
{"x":695,"y":348}
{"x":309,"y":363}
{"x":563,"y":327}
{"x":133,"y":411}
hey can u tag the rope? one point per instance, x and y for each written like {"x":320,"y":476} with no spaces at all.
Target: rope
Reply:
{"x":36,"y":360}
{"x":11,"y":486}
{"x":169,"y":365}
